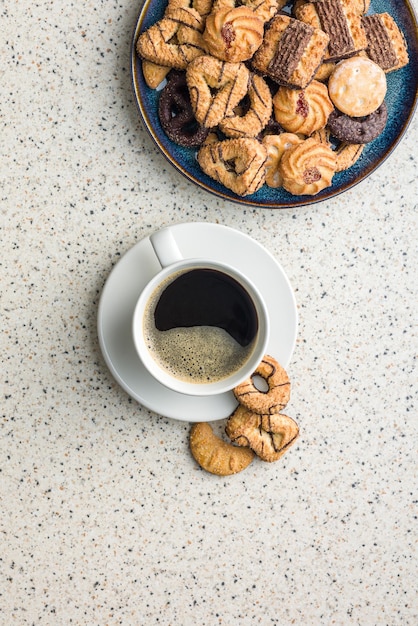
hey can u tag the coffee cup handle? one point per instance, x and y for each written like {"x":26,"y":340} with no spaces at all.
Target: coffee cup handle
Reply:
{"x":165,"y":247}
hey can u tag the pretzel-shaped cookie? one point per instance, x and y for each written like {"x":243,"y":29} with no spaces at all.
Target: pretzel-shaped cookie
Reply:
{"x":253,"y":120}
{"x":272,"y":400}
{"x":233,"y":34}
{"x":216,"y":87}
{"x":203,"y":7}
{"x":159,"y":43}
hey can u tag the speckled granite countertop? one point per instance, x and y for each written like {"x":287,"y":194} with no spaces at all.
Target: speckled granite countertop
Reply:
{"x":105,"y":517}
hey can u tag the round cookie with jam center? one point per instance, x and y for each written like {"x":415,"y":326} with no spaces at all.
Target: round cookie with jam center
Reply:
{"x":357,"y":86}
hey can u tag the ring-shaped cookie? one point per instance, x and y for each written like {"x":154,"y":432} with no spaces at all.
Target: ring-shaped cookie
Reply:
{"x":254,"y":120}
{"x":277,"y":395}
{"x":269,"y":436}
{"x":215,"y":87}
{"x":358,"y":129}
{"x":176,"y":113}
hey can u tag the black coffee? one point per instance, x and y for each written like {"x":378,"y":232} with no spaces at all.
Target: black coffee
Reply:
{"x":201,"y":326}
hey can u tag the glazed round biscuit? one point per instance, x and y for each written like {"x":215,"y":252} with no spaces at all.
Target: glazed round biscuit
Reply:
{"x":358,"y":129}
{"x":308,"y":167}
{"x":216,"y":87}
{"x":357,"y":86}
{"x":252,"y":121}
{"x":277,"y":395}
{"x":269,"y":436}
{"x":159,"y":43}
{"x":233,"y":34}
{"x":276,"y":146}
{"x":302,"y":110}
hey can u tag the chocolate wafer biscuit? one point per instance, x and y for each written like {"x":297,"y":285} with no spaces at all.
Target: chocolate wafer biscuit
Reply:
{"x":340,"y":21}
{"x":291,"y":52}
{"x":386,"y":44}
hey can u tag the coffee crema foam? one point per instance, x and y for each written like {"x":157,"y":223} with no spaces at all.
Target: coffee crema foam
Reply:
{"x":201,"y":354}
{"x":196,"y":354}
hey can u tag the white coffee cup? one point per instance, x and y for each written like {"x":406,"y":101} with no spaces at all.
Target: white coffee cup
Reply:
{"x":202,"y":280}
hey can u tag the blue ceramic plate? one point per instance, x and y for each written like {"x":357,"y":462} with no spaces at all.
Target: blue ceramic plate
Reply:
{"x":401,"y":100}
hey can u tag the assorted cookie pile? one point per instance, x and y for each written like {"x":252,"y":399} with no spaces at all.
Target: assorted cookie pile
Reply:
{"x":272,"y":92}
{"x":256,"y":428}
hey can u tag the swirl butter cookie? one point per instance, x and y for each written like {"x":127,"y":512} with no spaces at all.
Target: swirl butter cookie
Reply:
{"x":308,"y":167}
{"x":233,"y":34}
{"x":303,"y":110}
{"x":276,"y":146}
{"x":340,"y":21}
{"x":238,"y":164}
{"x":253,"y":112}
{"x":291,"y":52}
{"x":216,"y":87}
{"x":159,"y":45}
{"x":269,"y":436}
{"x":358,"y":129}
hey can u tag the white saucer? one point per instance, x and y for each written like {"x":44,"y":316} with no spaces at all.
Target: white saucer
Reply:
{"x":136,"y":268}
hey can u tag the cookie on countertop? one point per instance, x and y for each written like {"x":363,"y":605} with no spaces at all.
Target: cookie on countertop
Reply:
{"x":291,"y":52}
{"x":269,"y":436}
{"x":386,"y":43}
